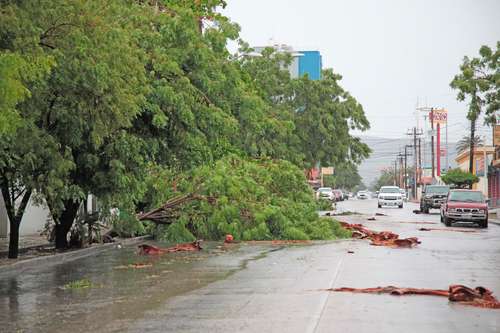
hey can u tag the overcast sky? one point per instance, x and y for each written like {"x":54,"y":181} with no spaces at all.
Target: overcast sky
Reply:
{"x":390,"y":52}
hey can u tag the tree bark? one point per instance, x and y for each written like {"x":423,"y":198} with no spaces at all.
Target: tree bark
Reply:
{"x":64,"y":223}
{"x":14,"y":239}
{"x":471,"y":148}
{"x":15,"y":223}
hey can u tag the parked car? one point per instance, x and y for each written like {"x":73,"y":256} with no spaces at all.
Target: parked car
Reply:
{"x":362,"y":195}
{"x":390,"y":196}
{"x":338,"y":195}
{"x":433,"y":196}
{"x":465,"y":206}
{"x":325,"y":193}
{"x":345,"y":195}
{"x":404,"y":195}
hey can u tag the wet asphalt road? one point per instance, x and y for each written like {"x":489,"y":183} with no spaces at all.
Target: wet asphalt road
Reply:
{"x":259,"y":288}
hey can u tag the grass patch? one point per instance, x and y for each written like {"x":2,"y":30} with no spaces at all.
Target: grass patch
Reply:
{"x":78,"y":284}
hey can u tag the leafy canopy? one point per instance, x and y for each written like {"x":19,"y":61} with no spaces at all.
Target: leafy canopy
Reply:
{"x":459,"y":178}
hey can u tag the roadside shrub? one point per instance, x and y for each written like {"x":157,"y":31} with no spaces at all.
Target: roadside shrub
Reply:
{"x":127,"y":225}
{"x":324,"y":204}
{"x":258,"y":199}
{"x":175,"y":232}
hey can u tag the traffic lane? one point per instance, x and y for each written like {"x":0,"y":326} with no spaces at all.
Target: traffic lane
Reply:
{"x":369,"y":207}
{"x":276,"y":293}
{"x":284,"y":291}
{"x":443,"y":258}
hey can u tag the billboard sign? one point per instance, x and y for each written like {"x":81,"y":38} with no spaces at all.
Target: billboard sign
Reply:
{"x":438,"y":116}
{"x":327,"y":171}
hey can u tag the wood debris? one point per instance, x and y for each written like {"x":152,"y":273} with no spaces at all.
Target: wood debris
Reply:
{"x":146,"y":249}
{"x":478,"y":297}
{"x":383,"y":238}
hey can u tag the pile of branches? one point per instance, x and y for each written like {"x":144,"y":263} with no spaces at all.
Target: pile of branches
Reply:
{"x":168,"y":212}
{"x":383,"y":238}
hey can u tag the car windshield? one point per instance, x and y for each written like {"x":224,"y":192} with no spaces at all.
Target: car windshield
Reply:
{"x":466,"y":196}
{"x":325,"y":189}
{"x":437,"y":189}
{"x":389,"y":190}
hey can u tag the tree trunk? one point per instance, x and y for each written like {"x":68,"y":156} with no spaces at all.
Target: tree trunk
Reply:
{"x":14,"y":239}
{"x":15,"y":223}
{"x":471,"y":148}
{"x":64,"y":223}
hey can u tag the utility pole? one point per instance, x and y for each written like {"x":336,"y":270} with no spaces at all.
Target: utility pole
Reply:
{"x":396,"y":172}
{"x":400,"y":169}
{"x":405,"y":165}
{"x":432,"y":141}
{"x":420,"y":159}
{"x":415,"y":133}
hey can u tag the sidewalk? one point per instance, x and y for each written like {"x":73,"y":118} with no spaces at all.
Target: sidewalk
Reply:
{"x":24,"y":242}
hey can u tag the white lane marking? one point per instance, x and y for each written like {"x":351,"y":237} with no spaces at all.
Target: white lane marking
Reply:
{"x":324,"y":298}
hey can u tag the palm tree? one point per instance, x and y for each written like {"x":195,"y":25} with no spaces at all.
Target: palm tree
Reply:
{"x":464,"y":143}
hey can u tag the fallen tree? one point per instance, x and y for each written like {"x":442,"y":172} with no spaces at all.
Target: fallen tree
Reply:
{"x":251,"y":199}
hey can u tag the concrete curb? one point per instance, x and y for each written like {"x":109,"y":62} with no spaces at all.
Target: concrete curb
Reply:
{"x":497,"y":222}
{"x":20,"y":266}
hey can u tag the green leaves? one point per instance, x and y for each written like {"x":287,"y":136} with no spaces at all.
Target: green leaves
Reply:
{"x":479,"y":82}
{"x":255,"y":199}
{"x":459,"y":178}
{"x":100,"y":97}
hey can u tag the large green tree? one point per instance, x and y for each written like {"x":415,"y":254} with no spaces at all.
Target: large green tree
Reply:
{"x":104,"y":92}
{"x":479,"y":83}
{"x":88,"y":101}
{"x":320,"y":113}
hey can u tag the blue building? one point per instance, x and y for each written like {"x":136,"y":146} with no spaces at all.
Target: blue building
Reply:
{"x":310,"y":64}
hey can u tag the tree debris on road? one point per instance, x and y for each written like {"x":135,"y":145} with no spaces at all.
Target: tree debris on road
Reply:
{"x":147,"y":249}
{"x":166,"y":214}
{"x":383,"y":238}
{"x":478,"y":297}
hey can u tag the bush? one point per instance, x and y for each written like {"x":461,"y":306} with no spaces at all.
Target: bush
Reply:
{"x":255,"y":200}
{"x":126,"y":224}
{"x":459,"y":178}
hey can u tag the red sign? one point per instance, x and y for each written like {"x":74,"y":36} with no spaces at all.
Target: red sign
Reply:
{"x":438,"y":116}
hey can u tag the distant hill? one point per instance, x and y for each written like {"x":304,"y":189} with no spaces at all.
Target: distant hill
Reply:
{"x":385,"y":150}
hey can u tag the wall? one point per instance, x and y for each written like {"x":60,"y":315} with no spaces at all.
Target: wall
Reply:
{"x":32,"y":223}
{"x":4,"y":220}
{"x":311,"y":64}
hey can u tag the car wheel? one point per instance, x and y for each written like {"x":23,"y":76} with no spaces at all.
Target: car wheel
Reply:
{"x":400,"y":206}
{"x":441,"y":218}
{"x":447,"y":221}
{"x":483,"y":224}
{"x":379,"y":206}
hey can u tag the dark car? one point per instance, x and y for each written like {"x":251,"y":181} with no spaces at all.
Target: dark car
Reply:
{"x":465,"y":206}
{"x":433,"y":196}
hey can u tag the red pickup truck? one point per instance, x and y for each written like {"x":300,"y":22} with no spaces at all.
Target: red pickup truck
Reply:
{"x":466,"y":206}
